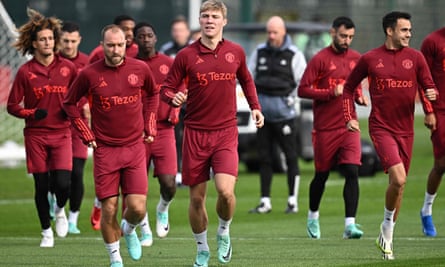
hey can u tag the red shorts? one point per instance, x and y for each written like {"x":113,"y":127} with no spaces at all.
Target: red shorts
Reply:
{"x":48,"y":152}
{"x":163,"y":152}
{"x":438,"y":136}
{"x":123,"y":166}
{"x":392,"y":149}
{"x":336,"y":147}
{"x":202,"y":150}
{"x":80,"y":150}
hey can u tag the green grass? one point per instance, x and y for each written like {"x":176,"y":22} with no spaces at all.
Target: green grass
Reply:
{"x":274,"y":239}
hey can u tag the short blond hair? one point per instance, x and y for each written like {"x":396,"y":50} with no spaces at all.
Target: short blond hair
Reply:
{"x":214,"y":5}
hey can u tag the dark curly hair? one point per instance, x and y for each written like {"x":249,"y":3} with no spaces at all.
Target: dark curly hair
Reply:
{"x":28,"y":32}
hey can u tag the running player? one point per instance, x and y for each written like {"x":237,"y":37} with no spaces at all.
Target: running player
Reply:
{"x":396,"y":73}
{"x":161,"y":152}
{"x":122,"y":118}
{"x":211,"y":66}
{"x":41,"y":84}
{"x":433,"y":48}
{"x":70,"y":39}
{"x":334,"y":145}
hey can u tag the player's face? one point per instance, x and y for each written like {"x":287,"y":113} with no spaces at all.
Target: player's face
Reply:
{"x":114,"y":47}
{"x":69,"y":43}
{"x":128,"y":26}
{"x":180,"y":33}
{"x":342,"y":38}
{"x":44,"y":43}
{"x":401,"y":34}
{"x":212,"y":23}
{"x":146,"y":39}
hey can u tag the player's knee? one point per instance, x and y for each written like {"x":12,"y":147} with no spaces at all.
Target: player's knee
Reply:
{"x":226,"y":195}
{"x":349,"y":171}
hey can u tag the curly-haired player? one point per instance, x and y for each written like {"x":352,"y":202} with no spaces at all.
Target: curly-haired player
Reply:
{"x":41,"y":84}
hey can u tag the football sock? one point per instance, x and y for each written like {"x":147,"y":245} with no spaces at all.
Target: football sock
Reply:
{"x":294,"y":194}
{"x":145,"y":225}
{"x":349,"y":220}
{"x":427,"y":208}
{"x":163,"y":205}
{"x":388,"y":221}
{"x":224,"y":226}
{"x":113,"y":251}
{"x":48,"y":232}
{"x":127,"y":227}
{"x":97,"y":203}
{"x":201,"y":241}
{"x":73,"y":216}
{"x":313,"y":214}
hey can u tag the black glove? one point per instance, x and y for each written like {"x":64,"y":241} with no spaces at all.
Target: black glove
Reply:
{"x":40,"y":114}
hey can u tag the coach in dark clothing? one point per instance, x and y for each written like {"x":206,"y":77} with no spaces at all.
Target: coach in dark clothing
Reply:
{"x":277,"y":67}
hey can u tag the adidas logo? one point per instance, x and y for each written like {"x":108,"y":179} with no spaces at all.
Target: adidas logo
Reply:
{"x":199,"y":60}
{"x":32,"y":75}
{"x":103,"y":84}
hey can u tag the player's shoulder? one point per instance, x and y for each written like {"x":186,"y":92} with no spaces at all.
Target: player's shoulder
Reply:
{"x":233,"y":47}
{"x":64,"y":62}
{"x":164,"y":57}
{"x":374,"y":51}
{"x":83,"y":56}
{"x":94,"y":67}
{"x":136,"y":65}
{"x":231,"y":43}
{"x":354,"y":52}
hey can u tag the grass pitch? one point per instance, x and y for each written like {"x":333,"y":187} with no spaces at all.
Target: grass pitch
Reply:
{"x":273,"y":239}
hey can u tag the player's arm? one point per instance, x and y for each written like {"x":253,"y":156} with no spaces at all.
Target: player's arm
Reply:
{"x":308,"y":87}
{"x":170,"y":92}
{"x":77,"y":90}
{"x":349,"y":90}
{"x":16,"y":97}
{"x":150,"y":102}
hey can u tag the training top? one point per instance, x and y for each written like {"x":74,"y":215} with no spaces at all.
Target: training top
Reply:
{"x":42,"y":87}
{"x":80,"y":60}
{"x":98,"y":52}
{"x":324,"y":72}
{"x":160,"y":65}
{"x":211,"y":83}
{"x":433,"y":48}
{"x":115,"y":101}
{"x":394,"y":77}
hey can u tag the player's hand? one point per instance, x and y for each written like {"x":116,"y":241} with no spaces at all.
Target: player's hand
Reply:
{"x":149,"y":139}
{"x":431,"y":94}
{"x":338,"y":90}
{"x":258,"y":117}
{"x":353,"y":126}
{"x":179,"y":99}
{"x":40,"y":114}
{"x":92,"y":144}
{"x":362,"y":100}
{"x":430,"y":121}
